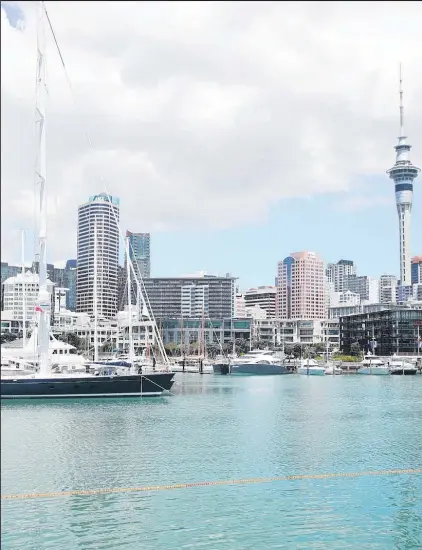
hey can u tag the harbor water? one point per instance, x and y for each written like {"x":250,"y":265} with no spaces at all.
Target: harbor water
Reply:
{"x":218,"y":428}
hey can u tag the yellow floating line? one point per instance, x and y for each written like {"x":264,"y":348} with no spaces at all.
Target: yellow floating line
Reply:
{"x":208,"y":483}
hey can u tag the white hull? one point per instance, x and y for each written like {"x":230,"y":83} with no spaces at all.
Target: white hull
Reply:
{"x":333,"y":371}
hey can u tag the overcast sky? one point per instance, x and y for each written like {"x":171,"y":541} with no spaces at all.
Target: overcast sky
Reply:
{"x":235,"y":132}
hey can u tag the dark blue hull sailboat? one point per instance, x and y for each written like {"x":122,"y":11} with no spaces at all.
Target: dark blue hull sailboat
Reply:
{"x":136,"y":385}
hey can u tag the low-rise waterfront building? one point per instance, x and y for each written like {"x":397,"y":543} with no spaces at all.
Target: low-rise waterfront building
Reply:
{"x":303,"y":332}
{"x":190,"y":331}
{"x":394,"y":330}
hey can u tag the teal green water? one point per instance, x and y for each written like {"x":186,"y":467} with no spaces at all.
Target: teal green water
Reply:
{"x":216,"y":428}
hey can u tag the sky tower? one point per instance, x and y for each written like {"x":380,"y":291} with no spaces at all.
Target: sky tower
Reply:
{"x":403,"y":173}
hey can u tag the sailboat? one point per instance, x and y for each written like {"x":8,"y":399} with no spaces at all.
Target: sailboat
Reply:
{"x":103,"y":380}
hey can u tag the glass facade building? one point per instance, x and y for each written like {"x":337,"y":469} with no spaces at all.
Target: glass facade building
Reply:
{"x":394,"y":330}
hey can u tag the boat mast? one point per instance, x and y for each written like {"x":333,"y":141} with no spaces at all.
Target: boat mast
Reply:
{"x":129,"y":302}
{"x":23,"y":292}
{"x":95,"y":292}
{"x":203,"y":344}
{"x":43,"y":306}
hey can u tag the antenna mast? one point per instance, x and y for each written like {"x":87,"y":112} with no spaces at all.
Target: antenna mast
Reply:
{"x":401,"y":104}
{"x":43,"y":307}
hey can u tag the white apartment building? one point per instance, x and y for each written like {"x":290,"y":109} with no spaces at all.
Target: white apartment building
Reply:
{"x":264,"y":297}
{"x":21,"y":293}
{"x":256,"y":312}
{"x":388,"y":289}
{"x":304,"y":332}
{"x":344,"y":299}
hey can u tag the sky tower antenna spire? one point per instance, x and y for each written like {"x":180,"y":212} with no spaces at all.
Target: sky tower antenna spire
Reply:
{"x":401,"y":102}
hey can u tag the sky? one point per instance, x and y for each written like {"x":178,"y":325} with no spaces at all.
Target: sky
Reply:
{"x":234,"y":132}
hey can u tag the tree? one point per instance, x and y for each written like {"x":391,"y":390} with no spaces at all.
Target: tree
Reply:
{"x":107,"y":347}
{"x":7,"y":337}
{"x":297,"y":350}
{"x":319,"y":348}
{"x":242,"y":345}
{"x":70,"y":338}
{"x":171,"y":349}
{"x":213,"y":349}
{"x":355,"y":349}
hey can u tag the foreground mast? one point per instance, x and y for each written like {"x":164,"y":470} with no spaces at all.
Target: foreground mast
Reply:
{"x":43,"y":307}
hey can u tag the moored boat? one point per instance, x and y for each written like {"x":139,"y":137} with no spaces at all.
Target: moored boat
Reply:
{"x":256,"y":362}
{"x":310,"y":367}
{"x":66,"y":385}
{"x":372,"y":365}
{"x":333,"y":370}
{"x":404,"y":368}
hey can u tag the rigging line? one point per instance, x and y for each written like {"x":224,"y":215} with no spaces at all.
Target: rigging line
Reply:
{"x":247,"y":481}
{"x":139,"y":280}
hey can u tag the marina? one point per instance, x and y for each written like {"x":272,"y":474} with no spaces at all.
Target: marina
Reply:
{"x":306,"y":432}
{"x":213,"y":431}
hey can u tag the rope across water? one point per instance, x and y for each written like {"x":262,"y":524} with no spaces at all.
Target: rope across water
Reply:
{"x":151,"y":488}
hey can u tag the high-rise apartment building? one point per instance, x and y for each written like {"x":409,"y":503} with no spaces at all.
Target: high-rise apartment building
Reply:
{"x":100,"y":216}
{"x":337,"y":274}
{"x":140,"y":253}
{"x":263,"y":296}
{"x":169,"y":297}
{"x":388,"y":289}
{"x":301,"y":287}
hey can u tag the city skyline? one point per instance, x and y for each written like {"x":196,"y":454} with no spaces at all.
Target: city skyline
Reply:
{"x":258,"y":194}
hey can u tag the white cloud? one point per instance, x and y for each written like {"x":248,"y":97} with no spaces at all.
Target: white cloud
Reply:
{"x":204,"y":112}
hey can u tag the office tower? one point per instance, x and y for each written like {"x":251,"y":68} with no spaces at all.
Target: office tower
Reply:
{"x":99,"y":216}
{"x":140,"y":252}
{"x":301,"y":287}
{"x":69,"y":282}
